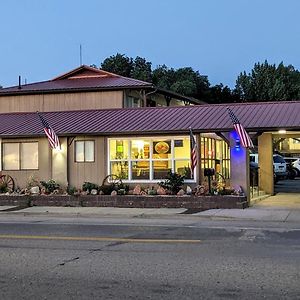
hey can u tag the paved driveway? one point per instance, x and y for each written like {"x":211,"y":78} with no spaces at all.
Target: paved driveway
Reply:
{"x":287,"y":196}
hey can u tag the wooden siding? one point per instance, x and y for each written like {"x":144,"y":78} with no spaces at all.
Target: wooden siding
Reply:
{"x":61,"y":102}
{"x":94,"y":172}
{"x":21,"y":177}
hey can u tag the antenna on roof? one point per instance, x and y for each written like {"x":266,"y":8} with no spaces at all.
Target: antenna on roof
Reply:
{"x":19,"y":87}
{"x":80,"y":54}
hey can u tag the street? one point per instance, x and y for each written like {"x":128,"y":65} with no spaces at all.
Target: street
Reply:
{"x":153,"y":258}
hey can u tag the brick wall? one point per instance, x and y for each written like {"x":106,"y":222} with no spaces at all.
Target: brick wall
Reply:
{"x":192,"y":202}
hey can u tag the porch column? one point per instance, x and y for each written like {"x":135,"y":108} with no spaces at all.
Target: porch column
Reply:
{"x":239,"y":166}
{"x":265,"y":163}
{"x":60,"y":163}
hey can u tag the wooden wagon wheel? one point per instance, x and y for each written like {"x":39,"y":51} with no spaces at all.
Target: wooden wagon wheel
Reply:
{"x":8,"y":182}
{"x":112,"y":179}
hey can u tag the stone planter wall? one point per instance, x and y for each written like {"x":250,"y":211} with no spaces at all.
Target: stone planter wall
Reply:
{"x":190,"y":202}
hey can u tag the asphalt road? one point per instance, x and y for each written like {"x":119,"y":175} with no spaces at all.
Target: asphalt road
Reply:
{"x":44,"y":258}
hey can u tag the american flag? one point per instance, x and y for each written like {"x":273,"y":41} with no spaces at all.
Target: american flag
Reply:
{"x":51,"y":135}
{"x":193,"y":152}
{"x":242,"y":133}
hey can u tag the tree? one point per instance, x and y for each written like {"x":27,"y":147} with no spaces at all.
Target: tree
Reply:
{"x":141,"y":69}
{"x":267,"y":82}
{"x":184,"y":81}
{"x":222,"y":94}
{"x":119,"y":64}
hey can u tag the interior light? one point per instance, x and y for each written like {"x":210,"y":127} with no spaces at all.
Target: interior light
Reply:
{"x":282,"y":131}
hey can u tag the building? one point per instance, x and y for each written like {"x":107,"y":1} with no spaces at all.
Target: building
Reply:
{"x":138,"y":144}
{"x":87,"y":88}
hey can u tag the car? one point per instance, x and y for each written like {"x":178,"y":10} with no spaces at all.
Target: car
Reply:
{"x":279,"y":165}
{"x":293,"y":164}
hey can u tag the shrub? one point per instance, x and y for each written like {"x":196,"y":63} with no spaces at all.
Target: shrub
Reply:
{"x":50,"y":185}
{"x":3,"y":188}
{"x":71,"y":190}
{"x":88,"y":186}
{"x":173,"y":182}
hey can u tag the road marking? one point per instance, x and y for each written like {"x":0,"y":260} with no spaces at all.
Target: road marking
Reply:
{"x":100,"y":239}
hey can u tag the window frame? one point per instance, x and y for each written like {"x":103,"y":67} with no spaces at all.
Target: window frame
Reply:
{"x":19,"y":155}
{"x":84,"y":152}
{"x":151,"y":160}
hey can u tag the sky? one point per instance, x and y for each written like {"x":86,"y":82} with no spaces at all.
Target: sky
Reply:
{"x":40,"y":39}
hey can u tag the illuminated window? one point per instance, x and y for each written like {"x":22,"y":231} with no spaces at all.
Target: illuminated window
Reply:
{"x":149,"y":158}
{"x":215,"y":153}
{"x":84,"y":151}
{"x":20,"y":156}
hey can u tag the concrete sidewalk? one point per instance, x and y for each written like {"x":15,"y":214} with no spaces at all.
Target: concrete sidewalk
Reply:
{"x":252,"y":213}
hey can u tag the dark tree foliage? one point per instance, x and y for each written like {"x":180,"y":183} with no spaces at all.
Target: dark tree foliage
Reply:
{"x":268,"y":82}
{"x":141,"y":69}
{"x":119,"y":64}
{"x":222,"y":94}
{"x":184,"y":81}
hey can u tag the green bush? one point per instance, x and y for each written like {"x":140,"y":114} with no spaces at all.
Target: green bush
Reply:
{"x":3,"y":188}
{"x":71,"y":190}
{"x":173,"y":182}
{"x":50,"y":185}
{"x":88,"y":186}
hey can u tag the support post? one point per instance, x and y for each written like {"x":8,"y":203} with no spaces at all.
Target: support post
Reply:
{"x":265,"y":163}
{"x":239,"y":165}
{"x":60,"y":163}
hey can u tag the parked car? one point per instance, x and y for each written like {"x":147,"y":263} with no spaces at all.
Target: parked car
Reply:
{"x":293,"y":164}
{"x":279,"y":165}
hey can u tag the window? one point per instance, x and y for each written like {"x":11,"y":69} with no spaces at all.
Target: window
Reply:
{"x":84,"y":151}
{"x":20,"y":156}
{"x":215,"y":153}
{"x":131,"y":101}
{"x":149,"y":158}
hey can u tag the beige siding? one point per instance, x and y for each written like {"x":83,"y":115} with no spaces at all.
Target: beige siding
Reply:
{"x":61,"y":102}
{"x":94,"y":172}
{"x":21,"y":177}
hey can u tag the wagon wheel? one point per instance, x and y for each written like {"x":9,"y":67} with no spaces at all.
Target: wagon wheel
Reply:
{"x":112,"y":179}
{"x":8,"y":182}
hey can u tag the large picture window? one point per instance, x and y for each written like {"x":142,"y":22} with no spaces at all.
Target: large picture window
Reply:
{"x":149,"y":158}
{"x":84,"y":151}
{"x":20,"y":156}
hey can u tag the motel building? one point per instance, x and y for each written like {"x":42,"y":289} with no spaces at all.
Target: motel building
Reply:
{"x":109,"y":124}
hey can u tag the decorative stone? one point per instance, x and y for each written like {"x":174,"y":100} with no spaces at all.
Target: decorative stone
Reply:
{"x":83,"y":193}
{"x":94,"y":192}
{"x":34,"y":190}
{"x":43,"y":191}
{"x":137,"y":190}
{"x":161,"y":191}
{"x":143,"y":193}
{"x":181,"y":193}
{"x":200,"y":190}
{"x":114,"y":193}
{"x":101,"y":193}
{"x":55,"y":192}
{"x":189,"y":190}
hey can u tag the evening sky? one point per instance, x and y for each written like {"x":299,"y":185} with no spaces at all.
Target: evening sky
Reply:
{"x":40,"y":38}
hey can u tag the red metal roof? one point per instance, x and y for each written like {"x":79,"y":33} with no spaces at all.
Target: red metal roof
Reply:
{"x":203,"y":118}
{"x":79,"y":79}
